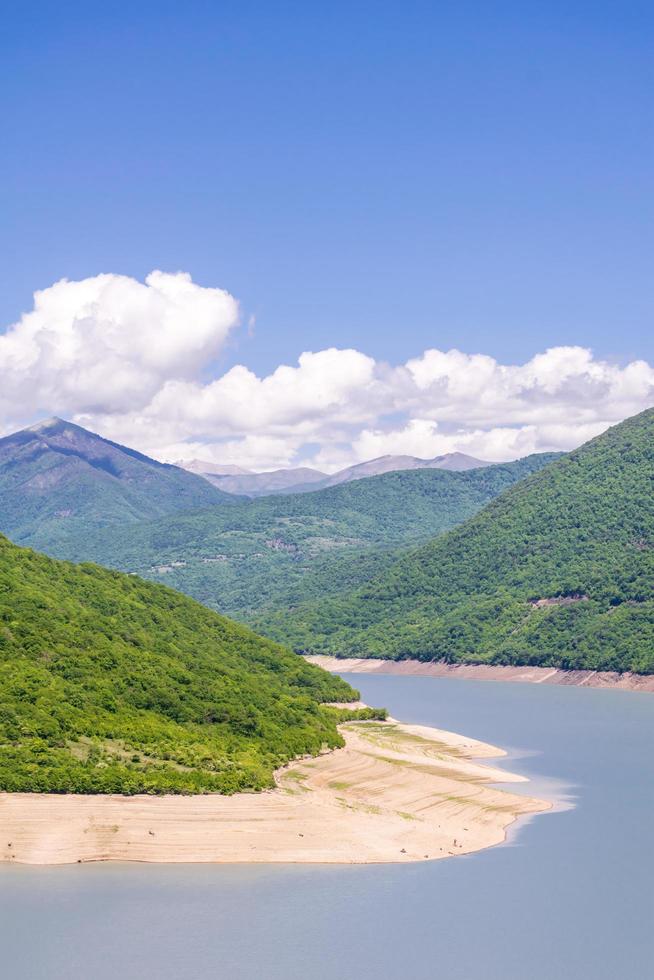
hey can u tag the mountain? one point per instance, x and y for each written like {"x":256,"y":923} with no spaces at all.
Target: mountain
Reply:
{"x":271,"y":553}
{"x":263,"y":484}
{"x":236,"y":480}
{"x":303,"y":479}
{"x":557,"y":571}
{"x":204,"y":468}
{"x":456,"y":462}
{"x":109,"y":684}
{"x":58,"y":479}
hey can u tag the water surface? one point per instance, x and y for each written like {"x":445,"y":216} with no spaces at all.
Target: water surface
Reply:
{"x":570,"y":896}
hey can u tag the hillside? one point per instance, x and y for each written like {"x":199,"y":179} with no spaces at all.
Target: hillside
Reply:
{"x":558,"y":570}
{"x":112,"y":684}
{"x":277,"y":551}
{"x":57,"y":480}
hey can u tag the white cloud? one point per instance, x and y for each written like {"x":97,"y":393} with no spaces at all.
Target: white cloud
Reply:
{"x":563,"y":384}
{"x":252,"y":451}
{"x":323,"y":384}
{"x":422,"y":437}
{"x":128,"y":359}
{"x":107,"y":344}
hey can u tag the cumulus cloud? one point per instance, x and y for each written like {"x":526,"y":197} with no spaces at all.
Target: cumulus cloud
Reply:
{"x":564,"y":384}
{"x":107,"y":344}
{"x":336,"y":407}
{"x":424,"y":438}
{"x":323,"y":384}
{"x":129,"y":360}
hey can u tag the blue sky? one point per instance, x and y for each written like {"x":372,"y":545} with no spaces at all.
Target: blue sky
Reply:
{"x":384,"y":176}
{"x":388,"y":176}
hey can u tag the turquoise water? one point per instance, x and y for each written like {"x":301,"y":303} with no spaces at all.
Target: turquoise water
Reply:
{"x":570,"y":896}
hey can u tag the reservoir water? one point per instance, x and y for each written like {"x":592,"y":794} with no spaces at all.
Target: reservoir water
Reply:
{"x":569,"y":897}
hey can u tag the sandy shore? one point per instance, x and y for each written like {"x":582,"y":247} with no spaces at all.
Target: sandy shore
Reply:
{"x":529,"y":675}
{"x":394,"y":793}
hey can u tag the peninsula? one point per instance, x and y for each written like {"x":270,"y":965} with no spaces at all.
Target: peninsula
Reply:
{"x":393,"y":793}
{"x":136,"y":724}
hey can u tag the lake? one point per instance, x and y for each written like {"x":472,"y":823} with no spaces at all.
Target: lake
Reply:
{"x":571,"y":895}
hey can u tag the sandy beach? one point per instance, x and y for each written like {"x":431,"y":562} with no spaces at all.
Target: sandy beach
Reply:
{"x":487,"y":672}
{"x":394,"y":793}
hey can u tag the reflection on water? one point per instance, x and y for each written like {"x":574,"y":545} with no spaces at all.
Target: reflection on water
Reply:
{"x":571,"y":897}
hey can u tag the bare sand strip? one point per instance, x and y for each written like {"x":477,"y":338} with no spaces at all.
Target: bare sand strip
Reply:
{"x":394,"y":793}
{"x":490,"y":672}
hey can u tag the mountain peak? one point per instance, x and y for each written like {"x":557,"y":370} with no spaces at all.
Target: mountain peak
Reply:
{"x":51,"y":423}
{"x":57,"y":478}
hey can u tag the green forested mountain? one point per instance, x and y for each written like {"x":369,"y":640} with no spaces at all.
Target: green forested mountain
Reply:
{"x":57,"y":480}
{"x":274,"y":552}
{"x":112,"y":684}
{"x":558,"y":570}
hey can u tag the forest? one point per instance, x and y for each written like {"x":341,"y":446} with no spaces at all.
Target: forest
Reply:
{"x":556,"y":571}
{"x":258,"y":556}
{"x":109,"y":684}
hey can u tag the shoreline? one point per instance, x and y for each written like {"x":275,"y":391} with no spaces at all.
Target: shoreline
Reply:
{"x":394,"y":793}
{"x":486,"y":672}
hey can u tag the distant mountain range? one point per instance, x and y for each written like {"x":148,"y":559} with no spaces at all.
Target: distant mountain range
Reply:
{"x":57,"y":480}
{"x":455,"y":462}
{"x":557,"y":571}
{"x":548,"y":560}
{"x":259,"y":556}
{"x":265,"y":484}
{"x":204,"y":468}
{"x":234,"y":479}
